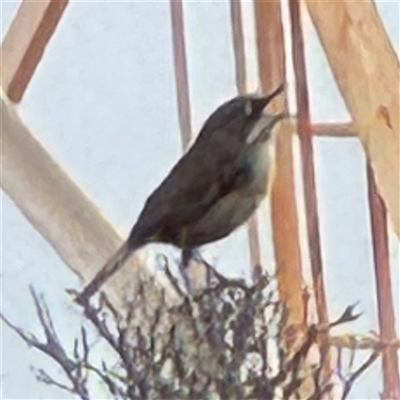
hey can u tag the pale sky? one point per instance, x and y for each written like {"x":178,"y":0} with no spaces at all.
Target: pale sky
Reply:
{"x":103,"y":103}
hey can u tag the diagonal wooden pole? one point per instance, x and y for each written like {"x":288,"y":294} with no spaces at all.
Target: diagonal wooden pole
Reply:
{"x":25,"y":42}
{"x":367,"y":71}
{"x":56,"y":206}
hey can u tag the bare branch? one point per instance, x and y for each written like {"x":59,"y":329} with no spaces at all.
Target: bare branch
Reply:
{"x":212,"y":344}
{"x":53,"y":348}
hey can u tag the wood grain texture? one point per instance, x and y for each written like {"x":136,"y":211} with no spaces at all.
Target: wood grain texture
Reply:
{"x":25,"y":43}
{"x":56,"y":206}
{"x":367,"y":72}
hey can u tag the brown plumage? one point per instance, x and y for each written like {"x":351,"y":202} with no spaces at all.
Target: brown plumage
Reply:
{"x":214,"y":187}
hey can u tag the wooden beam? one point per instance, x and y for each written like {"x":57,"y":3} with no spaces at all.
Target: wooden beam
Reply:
{"x":283,"y":203}
{"x":195,"y":273}
{"x":307,"y":162}
{"x":367,"y":72}
{"x":363,"y":342}
{"x":238,"y":46}
{"x":181,"y":73}
{"x":56,"y":206}
{"x":25,"y":42}
{"x":386,"y":313}
{"x":241,"y":87}
{"x":338,"y":130}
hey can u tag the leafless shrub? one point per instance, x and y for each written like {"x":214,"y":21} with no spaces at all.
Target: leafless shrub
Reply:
{"x":226,"y":342}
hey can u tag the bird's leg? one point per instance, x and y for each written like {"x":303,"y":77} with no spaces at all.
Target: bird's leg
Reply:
{"x":196,"y":254}
{"x":194,"y":270}
{"x":187,"y":255}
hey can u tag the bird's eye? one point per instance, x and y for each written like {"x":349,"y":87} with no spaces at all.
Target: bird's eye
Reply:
{"x":248,"y":108}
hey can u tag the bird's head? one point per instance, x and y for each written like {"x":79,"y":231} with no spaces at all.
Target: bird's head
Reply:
{"x":243,"y":118}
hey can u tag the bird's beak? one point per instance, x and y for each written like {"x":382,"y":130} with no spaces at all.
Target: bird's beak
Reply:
{"x":276,"y":92}
{"x":262,"y":102}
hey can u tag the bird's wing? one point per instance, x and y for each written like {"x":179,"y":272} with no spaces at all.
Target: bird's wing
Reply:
{"x":209,"y":171}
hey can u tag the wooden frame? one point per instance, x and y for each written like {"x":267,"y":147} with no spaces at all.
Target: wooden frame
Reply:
{"x":68,"y":220}
{"x":25,"y":43}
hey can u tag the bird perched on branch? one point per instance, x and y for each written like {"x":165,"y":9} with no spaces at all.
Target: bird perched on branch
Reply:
{"x":214,"y":187}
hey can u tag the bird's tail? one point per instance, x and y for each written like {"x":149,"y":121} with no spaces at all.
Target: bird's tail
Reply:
{"x":116,"y":261}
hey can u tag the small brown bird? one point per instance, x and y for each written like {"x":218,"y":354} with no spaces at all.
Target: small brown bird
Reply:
{"x":214,"y":187}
